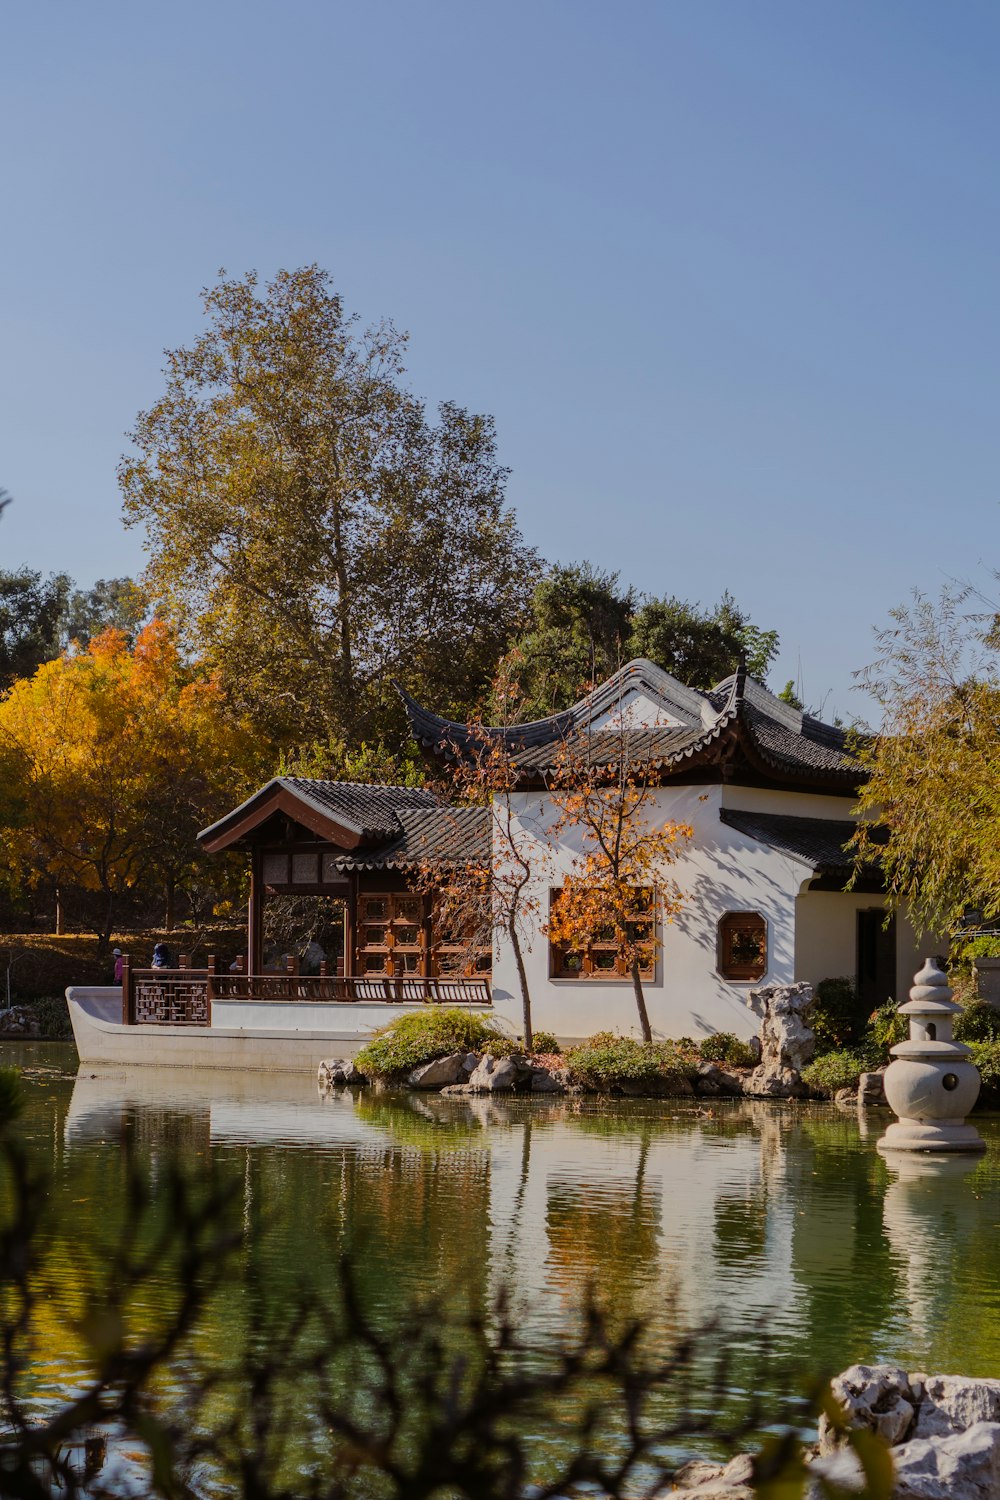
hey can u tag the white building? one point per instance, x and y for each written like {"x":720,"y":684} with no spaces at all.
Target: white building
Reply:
{"x":769,"y":792}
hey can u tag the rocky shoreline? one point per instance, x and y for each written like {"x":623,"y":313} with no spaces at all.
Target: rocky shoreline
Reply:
{"x":941,"y":1433}
{"x":471,"y":1073}
{"x":784,"y":1047}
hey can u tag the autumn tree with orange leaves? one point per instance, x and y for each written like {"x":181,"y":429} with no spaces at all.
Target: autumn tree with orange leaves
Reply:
{"x":604,"y":787}
{"x":110,"y":761}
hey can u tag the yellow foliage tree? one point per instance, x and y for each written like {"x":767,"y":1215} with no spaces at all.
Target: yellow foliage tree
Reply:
{"x":604,"y":787}
{"x":111,"y":761}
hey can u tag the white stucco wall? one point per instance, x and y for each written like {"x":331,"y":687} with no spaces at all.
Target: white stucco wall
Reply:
{"x":812,"y":935}
{"x":720,"y":870}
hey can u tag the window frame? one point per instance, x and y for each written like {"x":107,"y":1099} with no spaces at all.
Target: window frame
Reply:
{"x":588,"y":972}
{"x":730,"y":923}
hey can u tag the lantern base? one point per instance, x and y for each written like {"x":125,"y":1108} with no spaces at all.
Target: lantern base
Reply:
{"x":932,"y":1136}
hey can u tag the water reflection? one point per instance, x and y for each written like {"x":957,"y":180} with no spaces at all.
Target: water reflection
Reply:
{"x":753,"y":1214}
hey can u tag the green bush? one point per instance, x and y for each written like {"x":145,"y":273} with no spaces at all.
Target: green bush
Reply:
{"x":836,"y":1016}
{"x":978,"y":1022}
{"x":432,"y":1032}
{"x":52,"y":1015}
{"x":986,"y":1056}
{"x":504,"y":1046}
{"x":725,"y":1046}
{"x":545,"y":1041}
{"x":833,"y":1071}
{"x":886,"y":1027}
{"x":606,"y":1061}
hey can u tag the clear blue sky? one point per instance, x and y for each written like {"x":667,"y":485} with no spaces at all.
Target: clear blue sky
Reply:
{"x":725,"y":273}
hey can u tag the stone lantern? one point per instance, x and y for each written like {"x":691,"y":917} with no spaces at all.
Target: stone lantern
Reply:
{"x":932,"y":1084}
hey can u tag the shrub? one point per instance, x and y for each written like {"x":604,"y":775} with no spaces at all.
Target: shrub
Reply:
{"x":505,"y":1046}
{"x":52,"y":1015}
{"x":978,"y":1022}
{"x":986,"y":1056}
{"x":835,"y":1016}
{"x":545,"y":1042}
{"x":886,"y":1027}
{"x":607,"y":1061}
{"x":725,"y":1046}
{"x":432,"y":1032}
{"x":833,"y":1071}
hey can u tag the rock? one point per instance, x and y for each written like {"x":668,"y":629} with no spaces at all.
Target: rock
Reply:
{"x":457,"y":1088}
{"x":494,"y":1074}
{"x":787,"y":1041}
{"x":339,"y":1070}
{"x":471,"y":1063}
{"x":846,"y":1098}
{"x":871,"y":1090}
{"x":964,"y":1466}
{"x":732,"y":1481}
{"x":879,"y":1397}
{"x":714,"y":1080}
{"x":439,"y":1072}
{"x":840,"y":1470}
{"x":953,"y":1403}
{"x":544,"y":1082}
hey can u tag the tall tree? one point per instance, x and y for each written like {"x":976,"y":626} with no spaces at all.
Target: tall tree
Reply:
{"x":30,"y":610}
{"x":933,"y":766}
{"x":580,"y":620}
{"x":584,"y":624}
{"x":112,"y":604}
{"x":112,"y":760}
{"x":308,"y":525}
{"x":698,"y":646}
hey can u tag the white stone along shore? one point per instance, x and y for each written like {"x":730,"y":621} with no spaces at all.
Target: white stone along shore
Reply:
{"x":943,"y":1433}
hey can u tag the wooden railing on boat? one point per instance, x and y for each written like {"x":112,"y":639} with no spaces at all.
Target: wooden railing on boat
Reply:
{"x":184,"y":996}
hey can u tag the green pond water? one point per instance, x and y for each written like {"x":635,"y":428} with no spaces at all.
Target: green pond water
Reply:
{"x":767,"y":1220}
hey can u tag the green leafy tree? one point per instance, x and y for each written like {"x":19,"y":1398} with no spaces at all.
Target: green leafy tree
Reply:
{"x":30,"y":610}
{"x":933,"y":767}
{"x":697,"y":646}
{"x":313,"y":532}
{"x":580,"y":620}
{"x":112,"y":604}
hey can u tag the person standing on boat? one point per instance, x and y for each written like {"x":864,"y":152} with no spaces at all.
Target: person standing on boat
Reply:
{"x":162,"y":957}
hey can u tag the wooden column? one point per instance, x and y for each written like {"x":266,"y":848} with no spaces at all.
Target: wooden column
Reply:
{"x":351,"y":925}
{"x":255,"y":915}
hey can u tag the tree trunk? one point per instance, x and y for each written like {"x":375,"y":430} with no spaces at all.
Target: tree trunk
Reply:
{"x":170,"y":913}
{"x":529,"y":1040}
{"x":640,"y":1003}
{"x":104,"y":936}
{"x":59,"y":913}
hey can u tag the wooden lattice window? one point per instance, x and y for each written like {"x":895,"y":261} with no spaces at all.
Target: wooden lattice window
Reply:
{"x":461,"y":955}
{"x":391,"y":936}
{"x":601,"y":957}
{"x":742,"y":945}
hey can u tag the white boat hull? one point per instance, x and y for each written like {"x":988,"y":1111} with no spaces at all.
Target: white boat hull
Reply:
{"x":321,"y":1031}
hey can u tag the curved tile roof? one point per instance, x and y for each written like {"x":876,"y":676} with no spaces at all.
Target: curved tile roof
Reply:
{"x":776,"y":739}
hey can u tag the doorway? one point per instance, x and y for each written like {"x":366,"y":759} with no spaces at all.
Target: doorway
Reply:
{"x":876,"y":959}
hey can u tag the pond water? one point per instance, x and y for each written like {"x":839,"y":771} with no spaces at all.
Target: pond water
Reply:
{"x":751,"y":1215}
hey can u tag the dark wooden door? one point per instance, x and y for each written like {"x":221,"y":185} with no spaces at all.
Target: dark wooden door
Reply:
{"x":876,"y":959}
